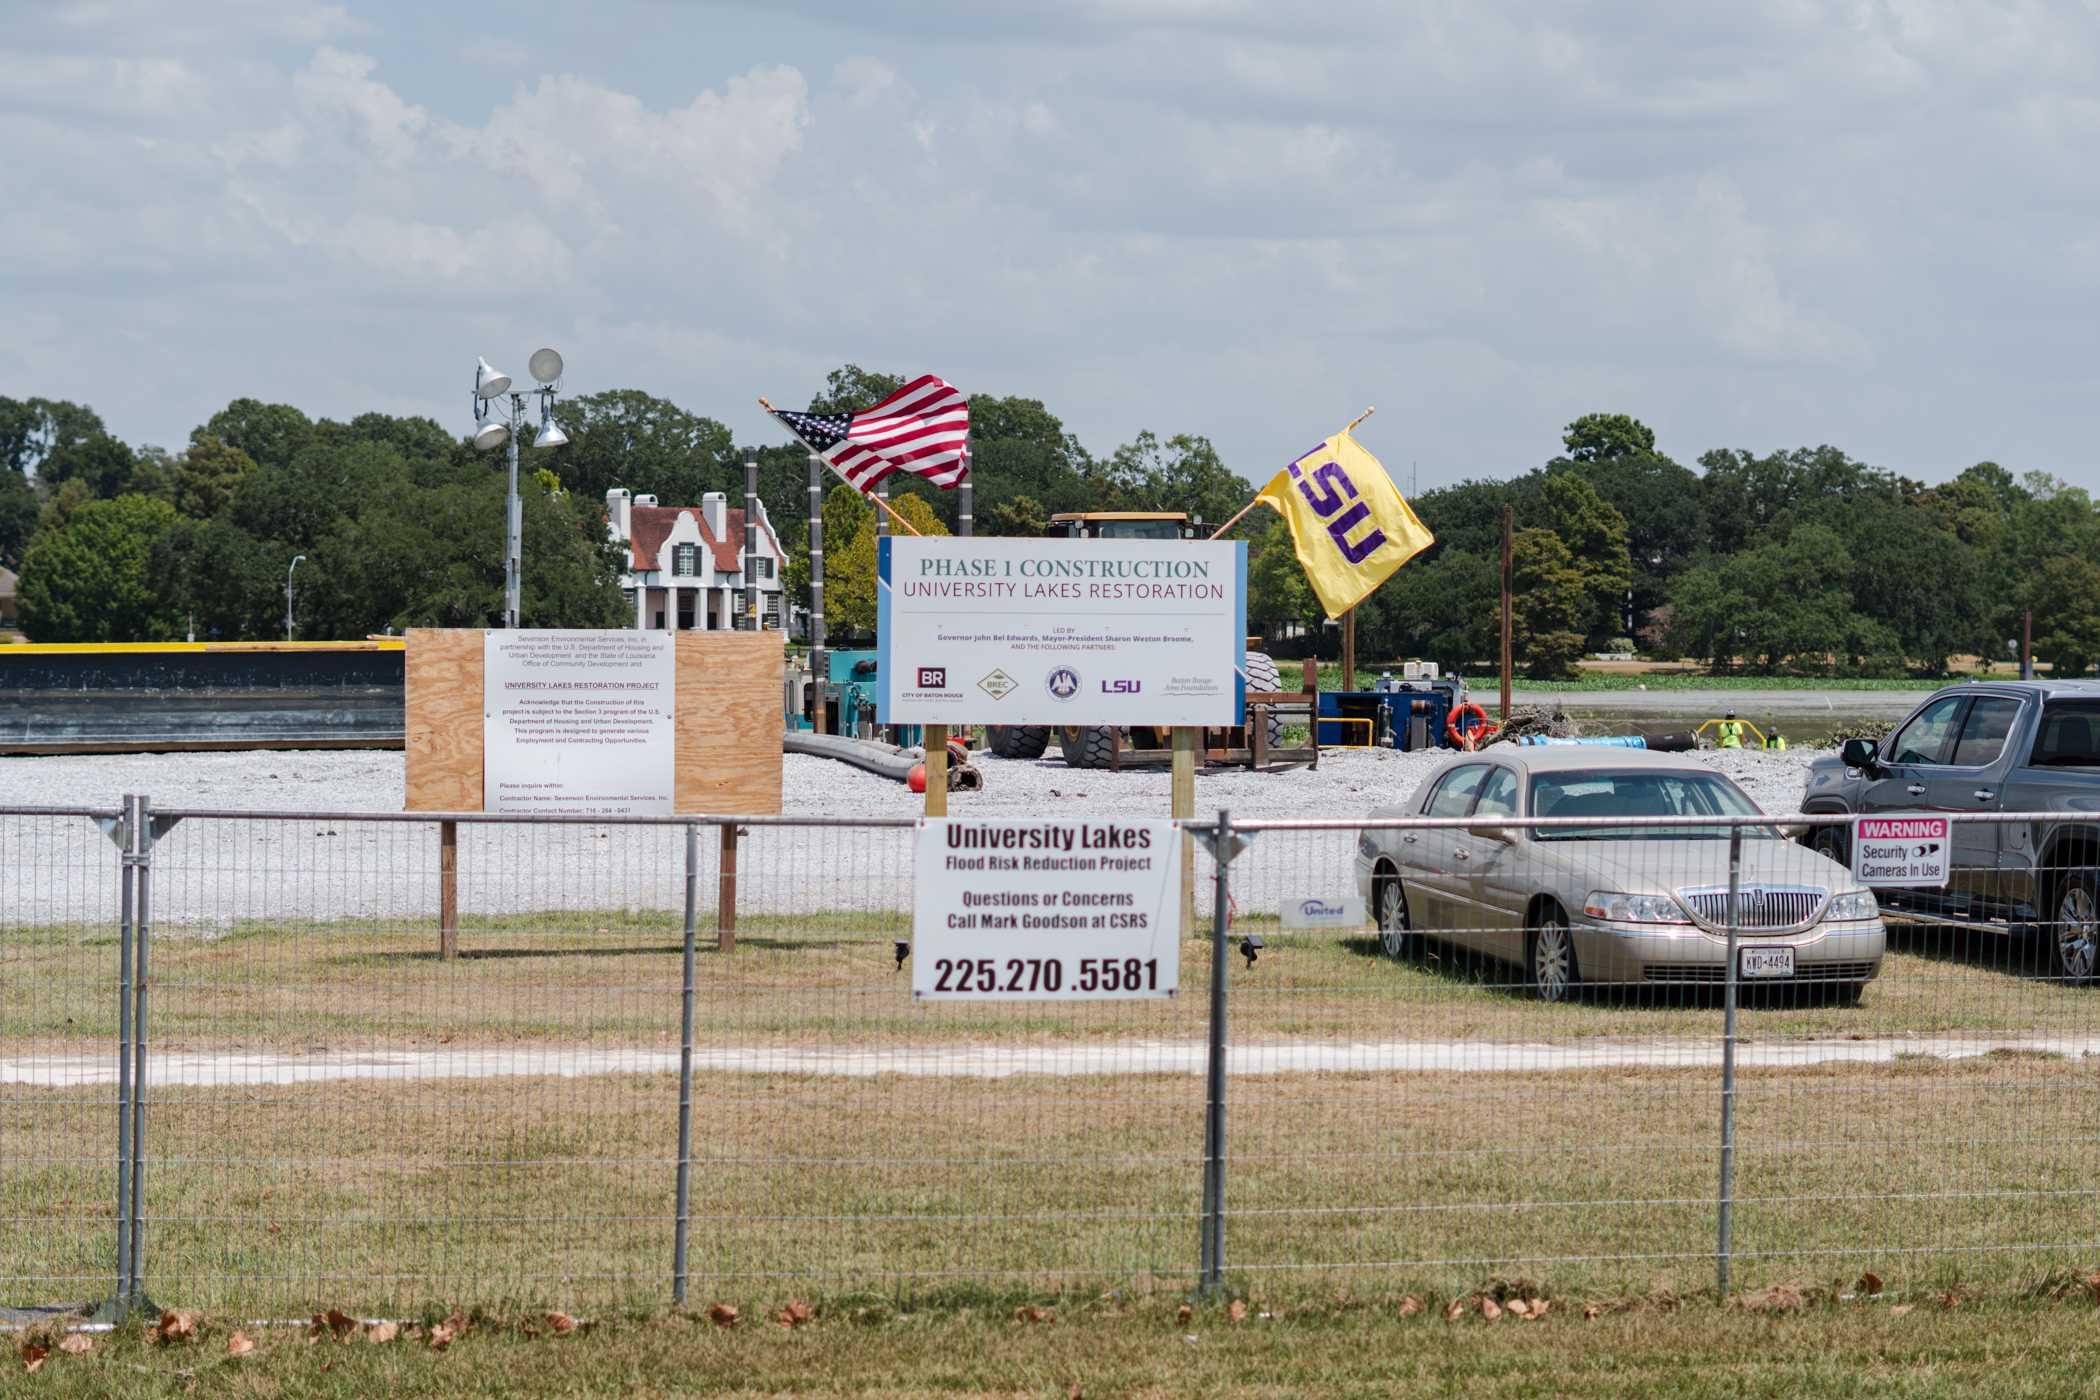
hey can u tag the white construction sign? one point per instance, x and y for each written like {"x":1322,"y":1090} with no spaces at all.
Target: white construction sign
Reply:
{"x":1059,"y":631}
{"x":579,"y":723}
{"x":1911,"y":851}
{"x":1018,"y":910}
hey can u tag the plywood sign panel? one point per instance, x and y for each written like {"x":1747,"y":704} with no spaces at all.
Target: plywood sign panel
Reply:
{"x":726,"y":750}
{"x":443,"y":707}
{"x":729,"y":722}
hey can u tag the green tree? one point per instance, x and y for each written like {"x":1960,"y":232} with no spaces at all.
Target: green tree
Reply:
{"x":1184,"y":473}
{"x":849,"y":575}
{"x":202,"y":481}
{"x":90,"y":580}
{"x":1445,"y":609}
{"x":272,"y":434}
{"x":849,"y":389}
{"x":99,"y":462}
{"x":32,"y":430}
{"x":648,"y":445}
{"x":18,"y":511}
{"x":1607,"y":437}
{"x":1021,"y":517}
{"x":1277,"y":589}
{"x":1595,"y":536}
{"x":1547,"y":604}
{"x":2065,"y":596}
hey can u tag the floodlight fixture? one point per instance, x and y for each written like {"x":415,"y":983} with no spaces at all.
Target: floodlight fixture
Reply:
{"x":489,"y":382}
{"x":491,"y":435}
{"x":550,"y":435}
{"x":545,"y":364}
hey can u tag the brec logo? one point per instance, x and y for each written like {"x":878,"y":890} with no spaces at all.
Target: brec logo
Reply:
{"x":1062,"y":683}
{"x":933,"y":678}
{"x":1120,"y":687}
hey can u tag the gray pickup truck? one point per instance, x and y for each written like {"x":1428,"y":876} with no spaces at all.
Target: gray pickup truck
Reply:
{"x":2023,"y":746}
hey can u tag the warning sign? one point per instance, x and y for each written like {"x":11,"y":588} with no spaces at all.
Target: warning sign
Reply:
{"x":1906,"y":851}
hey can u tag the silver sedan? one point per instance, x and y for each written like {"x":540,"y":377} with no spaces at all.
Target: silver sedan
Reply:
{"x":1611,"y":904}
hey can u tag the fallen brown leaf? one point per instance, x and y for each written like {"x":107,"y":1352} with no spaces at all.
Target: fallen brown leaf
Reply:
{"x":1899,"y":1309}
{"x":1869,"y":1284}
{"x":1592,"y":1311}
{"x":1490,"y":1309}
{"x":1410,"y":1305}
{"x":445,"y":1333}
{"x":793,"y":1315}
{"x":33,"y":1355}
{"x":1183,"y":1313}
{"x":1237,"y":1310}
{"x":1539,"y":1306}
{"x":561,"y":1323}
{"x":239,"y":1344}
{"x":722,"y":1315}
{"x":1032,"y":1313}
{"x":76,"y":1344}
{"x":175,"y":1327}
{"x":1456,"y":1310}
{"x":1949,"y":1300}
{"x":380,"y":1333}
{"x":1519,"y":1308}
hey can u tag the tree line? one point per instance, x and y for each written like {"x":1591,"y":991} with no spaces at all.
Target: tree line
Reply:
{"x":1802,"y":561}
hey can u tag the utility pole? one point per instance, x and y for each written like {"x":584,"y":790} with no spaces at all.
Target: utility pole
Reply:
{"x":1508,"y":617}
{"x":754,"y":609}
{"x":2027,"y":645}
{"x":816,"y":592}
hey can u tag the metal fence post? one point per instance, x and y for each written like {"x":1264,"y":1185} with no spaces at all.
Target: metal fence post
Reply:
{"x":142,"y":877}
{"x":1212,"y":1261}
{"x":126,"y":870}
{"x":1724,"y":1244}
{"x":685,"y":1068}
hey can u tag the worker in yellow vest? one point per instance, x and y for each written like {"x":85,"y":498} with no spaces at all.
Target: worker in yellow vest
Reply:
{"x":1776,"y":740}
{"x":1731,"y":732}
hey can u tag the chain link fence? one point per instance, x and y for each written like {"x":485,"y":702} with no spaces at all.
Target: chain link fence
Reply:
{"x":272,"y":1062}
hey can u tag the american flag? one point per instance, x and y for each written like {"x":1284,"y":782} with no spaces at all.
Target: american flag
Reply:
{"x":923,"y":428}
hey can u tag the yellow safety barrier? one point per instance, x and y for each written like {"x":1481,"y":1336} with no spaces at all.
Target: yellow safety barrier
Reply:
{"x":1370,"y":732}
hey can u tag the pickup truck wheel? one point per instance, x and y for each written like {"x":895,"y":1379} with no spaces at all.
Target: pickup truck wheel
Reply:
{"x":2076,"y":931}
{"x":1829,"y":843}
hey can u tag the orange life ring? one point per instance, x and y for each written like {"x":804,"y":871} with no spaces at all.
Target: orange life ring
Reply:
{"x":1469,"y":737}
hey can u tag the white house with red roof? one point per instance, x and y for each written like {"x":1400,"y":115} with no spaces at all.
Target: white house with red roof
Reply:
{"x":685,"y":566}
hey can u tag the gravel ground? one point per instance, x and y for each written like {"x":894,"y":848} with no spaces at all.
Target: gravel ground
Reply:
{"x":209,"y":875}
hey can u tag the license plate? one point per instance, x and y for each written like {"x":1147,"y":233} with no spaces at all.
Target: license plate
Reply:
{"x":1767,"y":962}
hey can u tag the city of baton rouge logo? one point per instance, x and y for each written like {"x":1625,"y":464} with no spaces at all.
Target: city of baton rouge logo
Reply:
{"x":998,"y":685}
{"x":1062,"y":683}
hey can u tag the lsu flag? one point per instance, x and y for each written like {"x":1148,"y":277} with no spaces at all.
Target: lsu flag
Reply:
{"x":1348,"y":521}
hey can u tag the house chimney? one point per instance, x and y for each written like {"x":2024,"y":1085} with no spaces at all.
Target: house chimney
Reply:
{"x":714,"y":512}
{"x":645,"y":500}
{"x":617,"y":502}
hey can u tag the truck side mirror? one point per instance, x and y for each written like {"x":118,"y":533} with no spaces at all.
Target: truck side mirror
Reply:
{"x":1857,"y":753}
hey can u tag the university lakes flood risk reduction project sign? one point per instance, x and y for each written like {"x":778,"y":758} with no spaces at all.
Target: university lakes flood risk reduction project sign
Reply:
{"x":1018,"y":631}
{"x":579,"y":723}
{"x":1042,"y":910}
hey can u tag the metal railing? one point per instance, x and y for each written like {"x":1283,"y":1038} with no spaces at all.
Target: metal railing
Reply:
{"x":653,"y":1056}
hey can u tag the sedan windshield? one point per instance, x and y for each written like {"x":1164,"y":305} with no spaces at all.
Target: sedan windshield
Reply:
{"x":1641,"y":794}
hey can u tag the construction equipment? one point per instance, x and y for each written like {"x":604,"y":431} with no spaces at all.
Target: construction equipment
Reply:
{"x":1107,"y":746}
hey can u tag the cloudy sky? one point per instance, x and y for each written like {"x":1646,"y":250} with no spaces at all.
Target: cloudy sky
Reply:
{"x":1874,"y":223}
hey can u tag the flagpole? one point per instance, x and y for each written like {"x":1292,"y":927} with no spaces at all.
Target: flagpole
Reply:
{"x":886,"y":507}
{"x":1241,"y":513}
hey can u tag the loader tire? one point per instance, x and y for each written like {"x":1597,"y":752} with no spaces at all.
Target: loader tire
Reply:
{"x":1263,"y":674}
{"x":1018,"y":740}
{"x":1087,"y":746}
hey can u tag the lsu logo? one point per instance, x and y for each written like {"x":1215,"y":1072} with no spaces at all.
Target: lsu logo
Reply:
{"x":1332,"y":496}
{"x":1121,"y":687}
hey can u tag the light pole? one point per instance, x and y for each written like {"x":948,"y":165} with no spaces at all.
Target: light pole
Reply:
{"x":491,"y":386}
{"x":296,"y":559}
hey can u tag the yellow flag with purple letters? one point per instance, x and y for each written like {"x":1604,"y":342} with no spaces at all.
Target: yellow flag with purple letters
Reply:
{"x":1348,"y":521}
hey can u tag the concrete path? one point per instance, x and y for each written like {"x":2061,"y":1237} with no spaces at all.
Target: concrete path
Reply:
{"x":237,"y":1070}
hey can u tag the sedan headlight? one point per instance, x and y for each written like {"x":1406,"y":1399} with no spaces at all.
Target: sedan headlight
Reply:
{"x":1853,"y":906}
{"x":1634,"y":908}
